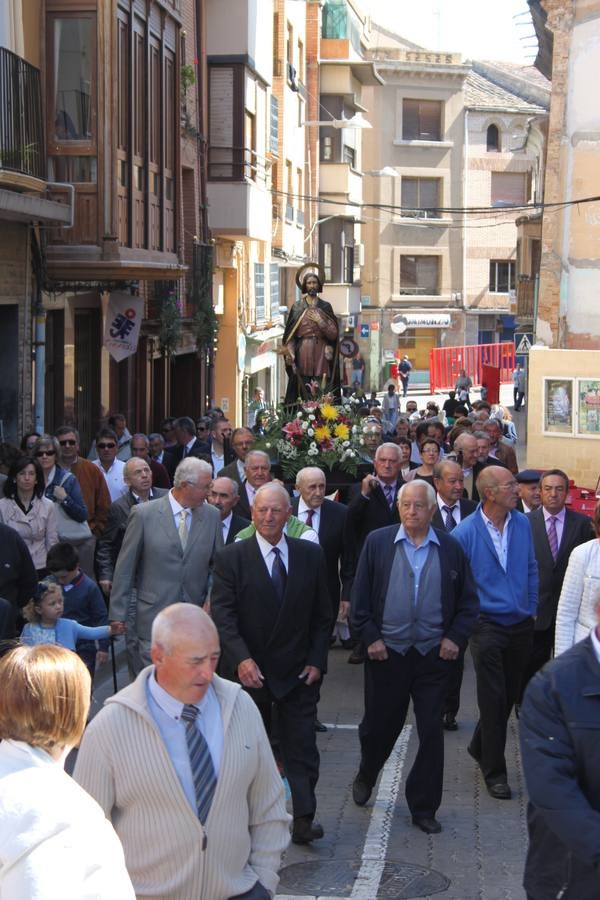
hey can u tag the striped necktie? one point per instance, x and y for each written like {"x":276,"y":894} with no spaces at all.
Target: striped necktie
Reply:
{"x":201,"y":764}
{"x":450,"y":523}
{"x":182,"y":528}
{"x":553,"y":537}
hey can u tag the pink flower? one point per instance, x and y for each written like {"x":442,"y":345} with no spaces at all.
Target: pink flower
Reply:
{"x":293,"y":429}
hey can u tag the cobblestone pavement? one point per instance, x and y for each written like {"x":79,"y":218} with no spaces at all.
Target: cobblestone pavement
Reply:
{"x":478,"y":856}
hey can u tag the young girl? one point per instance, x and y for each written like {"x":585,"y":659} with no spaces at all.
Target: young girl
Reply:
{"x":45,"y":625}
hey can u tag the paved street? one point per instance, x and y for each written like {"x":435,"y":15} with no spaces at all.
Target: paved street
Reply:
{"x":478,"y":856}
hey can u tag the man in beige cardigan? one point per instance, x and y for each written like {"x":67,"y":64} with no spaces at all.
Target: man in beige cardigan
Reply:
{"x":137,"y":760}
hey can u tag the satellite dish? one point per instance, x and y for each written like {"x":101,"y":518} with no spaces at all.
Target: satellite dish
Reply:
{"x":398,"y":324}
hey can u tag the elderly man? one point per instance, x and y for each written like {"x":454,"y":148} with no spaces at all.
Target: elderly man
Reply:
{"x":467,"y":449}
{"x":224,"y":495}
{"x":498,"y":543}
{"x":140,"y":448}
{"x":180,"y":763}
{"x":107,"y":461}
{"x":257,"y":469}
{"x":167,"y":552}
{"x":451,"y":509}
{"x":499,"y":448}
{"x":530,"y":497}
{"x":414,"y":605}
{"x":94,"y":489}
{"x":271,"y":606}
{"x":242,"y":441}
{"x":559,"y":748}
{"x":556,"y":532}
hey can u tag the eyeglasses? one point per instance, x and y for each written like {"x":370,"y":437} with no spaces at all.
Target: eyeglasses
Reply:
{"x":45,"y":453}
{"x":106,"y":446}
{"x":68,"y":443}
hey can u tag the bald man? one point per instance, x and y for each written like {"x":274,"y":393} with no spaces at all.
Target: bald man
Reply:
{"x":271,"y":606}
{"x":168,"y":759}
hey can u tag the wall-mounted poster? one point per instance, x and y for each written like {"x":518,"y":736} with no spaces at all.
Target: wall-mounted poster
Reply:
{"x":588,"y":408}
{"x":558,"y":406}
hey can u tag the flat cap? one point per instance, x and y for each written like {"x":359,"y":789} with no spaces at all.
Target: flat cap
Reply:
{"x":529,"y":476}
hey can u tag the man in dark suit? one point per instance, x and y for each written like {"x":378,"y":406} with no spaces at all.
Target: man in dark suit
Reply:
{"x":556,"y":532}
{"x":467,"y":450}
{"x":257,"y":467}
{"x":328,"y":519}
{"x":451,"y":508}
{"x":414,"y":605}
{"x":187,"y":445}
{"x":502,"y":452}
{"x":224,"y":494}
{"x":530,"y":497}
{"x":272,"y":609}
{"x":242,"y":441}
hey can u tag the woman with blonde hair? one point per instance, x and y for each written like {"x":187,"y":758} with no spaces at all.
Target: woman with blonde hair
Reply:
{"x":55,"y":841}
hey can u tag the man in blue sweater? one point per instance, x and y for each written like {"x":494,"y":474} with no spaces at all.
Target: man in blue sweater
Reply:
{"x":498,"y":543}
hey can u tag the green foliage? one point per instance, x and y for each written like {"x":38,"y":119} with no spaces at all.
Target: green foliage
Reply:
{"x":188,"y":77}
{"x":170,"y":325}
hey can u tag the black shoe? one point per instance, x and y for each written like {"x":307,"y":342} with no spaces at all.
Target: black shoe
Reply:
{"x":449,"y":722}
{"x":348,"y":643}
{"x":427,"y":824}
{"x":320,"y":727}
{"x":305,"y":830}
{"x":361,"y":791}
{"x":357,"y":657}
{"x":499,"y":790}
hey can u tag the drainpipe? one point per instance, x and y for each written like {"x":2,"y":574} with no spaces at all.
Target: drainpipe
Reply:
{"x":464,"y":228}
{"x":40,"y":363}
{"x":64,"y":186}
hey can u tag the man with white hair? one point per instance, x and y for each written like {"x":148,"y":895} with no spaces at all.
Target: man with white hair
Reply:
{"x":167,"y":552}
{"x":271,"y":606}
{"x":180,"y":763}
{"x":257,"y":470}
{"x":414,"y":606}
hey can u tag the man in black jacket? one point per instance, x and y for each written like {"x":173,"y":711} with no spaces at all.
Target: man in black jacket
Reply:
{"x":224,"y":494}
{"x":18,"y":580}
{"x":414,"y":605}
{"x":271,"y":606}
{"x":560,"y":749}
{"x":556,"y":532}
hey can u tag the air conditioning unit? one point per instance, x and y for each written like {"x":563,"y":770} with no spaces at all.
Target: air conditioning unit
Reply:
{"x":224,"y":256}
{"x":293,"y":77}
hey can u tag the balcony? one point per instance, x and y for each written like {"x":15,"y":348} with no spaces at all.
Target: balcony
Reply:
{"x":22,"y":151}
{"x":525,"y":297}
{"x":239,"y":203}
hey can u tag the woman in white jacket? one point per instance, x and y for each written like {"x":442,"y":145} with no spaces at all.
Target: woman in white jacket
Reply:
{"x":580,"y":593}
{"x":55,"y":841}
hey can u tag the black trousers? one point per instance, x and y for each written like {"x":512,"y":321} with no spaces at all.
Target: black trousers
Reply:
{"x":500,"y":656}
{"x":296,"y":715}
{"x":455,"y":678}
{"x":389,"y":687}
{"x":542,"y":647}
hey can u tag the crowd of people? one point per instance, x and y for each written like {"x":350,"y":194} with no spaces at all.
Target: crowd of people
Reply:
{"x":230,"y":588}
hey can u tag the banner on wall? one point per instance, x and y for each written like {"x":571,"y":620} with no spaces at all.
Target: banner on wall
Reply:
{"x":123,"y":323}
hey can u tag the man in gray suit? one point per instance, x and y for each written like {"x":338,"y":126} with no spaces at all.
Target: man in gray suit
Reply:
{"x":167,"y":552}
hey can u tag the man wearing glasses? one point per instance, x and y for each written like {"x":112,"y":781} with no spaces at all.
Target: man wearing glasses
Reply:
{"x":499,"y":546}
{"x":93,"y":486}
{"x":111,"y":467}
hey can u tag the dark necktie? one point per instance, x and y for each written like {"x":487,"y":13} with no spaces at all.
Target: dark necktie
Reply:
{"x":201,"y":764}
{"x":309,"y":517}
{"x":553,"y":537}
{"x":278,"y":574}
{"x":450,"y":523}
{"x":388,"y":490}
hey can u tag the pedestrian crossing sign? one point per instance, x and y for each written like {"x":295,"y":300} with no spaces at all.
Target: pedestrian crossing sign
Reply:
{"x":523,"y":346}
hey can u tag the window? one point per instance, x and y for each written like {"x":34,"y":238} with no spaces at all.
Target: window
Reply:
{"x":348,"y":264}
{"x":289,"y":187}
{"x":493,"y":139}
{"x":274,"y":283}
{"x":349,"y":155}
{"x":502,"y":276}
{"x":420,"y":197}
{"x":326,"y":261}
{"x":421,"y":120}
{"x":73,"y":88}
{"x":274,"y":144}
{"x":509,"y":188}
{"x":326,"y":149}
{"x":259,"y":292}
{"x":300,"y":198}
{"x":250,"y":144}
{"x":419,"y":274}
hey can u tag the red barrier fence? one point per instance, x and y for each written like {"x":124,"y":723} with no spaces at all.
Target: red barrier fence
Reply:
{"x":446,"y":362}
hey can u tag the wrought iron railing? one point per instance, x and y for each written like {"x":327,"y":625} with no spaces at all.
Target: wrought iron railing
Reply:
{"x":21,"y":121}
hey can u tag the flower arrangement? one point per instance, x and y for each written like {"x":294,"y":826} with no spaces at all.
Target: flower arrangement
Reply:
{"x":314,"y":433}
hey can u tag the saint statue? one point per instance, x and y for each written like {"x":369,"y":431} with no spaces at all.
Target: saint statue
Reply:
{"x":310,"y":342}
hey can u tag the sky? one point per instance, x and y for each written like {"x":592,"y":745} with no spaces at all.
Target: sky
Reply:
{"x":481,"y":29}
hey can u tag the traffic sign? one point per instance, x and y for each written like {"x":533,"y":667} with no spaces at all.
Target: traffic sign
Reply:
{"x":364,"y":329}
{"x":523,"y":342}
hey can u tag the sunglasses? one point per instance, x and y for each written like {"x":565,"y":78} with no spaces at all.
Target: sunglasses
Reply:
{"x":106,"y":446}
{"x":45,"y":453}
{"x":68,"y":443}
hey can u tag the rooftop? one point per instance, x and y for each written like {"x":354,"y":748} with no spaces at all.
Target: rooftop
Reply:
{"x":481,"y":93}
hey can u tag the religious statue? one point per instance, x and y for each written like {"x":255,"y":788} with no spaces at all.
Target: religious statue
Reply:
{"x":310,"y":341}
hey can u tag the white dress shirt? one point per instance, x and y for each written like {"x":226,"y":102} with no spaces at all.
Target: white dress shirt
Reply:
{"x":454,"y":509}
{"x":303,"y":509}
{"x":176,"y":509}
{"x":226,"y":525}
{"x":250,"y":493}
{"x":267,"y":552}
{"x":114,"y":478}
{"x":218,"y":461}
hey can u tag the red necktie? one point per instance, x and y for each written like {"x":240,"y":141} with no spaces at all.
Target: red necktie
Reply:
{"x":309,"y":517}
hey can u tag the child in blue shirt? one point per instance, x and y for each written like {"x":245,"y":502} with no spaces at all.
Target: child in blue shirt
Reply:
{"x":83,"y":600}
{"x":45,"y":625}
